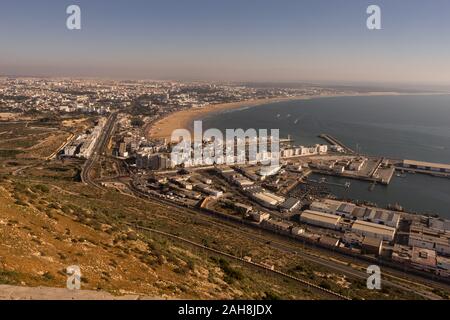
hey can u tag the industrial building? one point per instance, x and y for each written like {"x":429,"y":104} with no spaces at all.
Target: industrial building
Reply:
{"x":326,"y":206}
{"x":235,"y":178}
{"x":441,"y":225}
{"x":276,"y":225}
{"x":357,"y":164}
{"x":346,"y":209}
{"x":427,"y":238}
{"x":359,"y":213}
{"x":374,"y":230}
{"x":334,"y":207}
{"x":372,"y":246}
{"x":269,"y":171}
{"x":153,"y":161}
{"x":89,"y":142}
{"x":204,"y":188}
{"x":443,"y":266}
{"x":350,"y":210}
{"x":320,"y":219}
{"x":70,"y":150}
{"x":329,"y":241}
{"x":248,"y":173}
{"x":290,"y":204}
{"x":423,"y":259}
{"x":381,"y":216}
{"x":304,"y":151}
{"x":242,"y":208}
{"x":267,"y":199}
{"x":83,"y":145}
{"x":181,"y":183}
{"x":426,"y":166}
{"x":296,"y":231}
{"x":259,"y":216}
{"x":401,"y":254}
{"x":352,"y":239}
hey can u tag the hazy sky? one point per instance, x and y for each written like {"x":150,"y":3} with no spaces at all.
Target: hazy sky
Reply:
{"x":250,"y":40}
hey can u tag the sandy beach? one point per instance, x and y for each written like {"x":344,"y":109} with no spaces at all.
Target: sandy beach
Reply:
{"x":163,"y":128}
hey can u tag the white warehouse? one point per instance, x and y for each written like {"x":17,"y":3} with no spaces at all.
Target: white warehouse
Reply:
{"x":320,"y":219}
{"x":373,"y":230}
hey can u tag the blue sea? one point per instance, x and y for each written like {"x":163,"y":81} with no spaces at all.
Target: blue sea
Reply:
{"x":401,"y":127}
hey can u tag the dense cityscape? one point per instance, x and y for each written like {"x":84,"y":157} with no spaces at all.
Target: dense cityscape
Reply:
{"x":105,"y":129}
{"x":225,"y":159}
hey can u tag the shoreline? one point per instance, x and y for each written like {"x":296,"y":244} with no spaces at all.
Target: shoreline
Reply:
{"x":184,"y":119}
{"x":163,"y":128}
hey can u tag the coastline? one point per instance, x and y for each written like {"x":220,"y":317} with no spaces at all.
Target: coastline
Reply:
{"x":163,"y":128}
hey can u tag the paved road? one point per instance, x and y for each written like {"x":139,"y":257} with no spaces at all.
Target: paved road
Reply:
{"x":99,"y":148}
{"x":63,"y":145}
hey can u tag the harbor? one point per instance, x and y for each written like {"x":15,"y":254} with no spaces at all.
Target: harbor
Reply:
{"x":378,"y":172}
{"x":324,"y":180}
{"x":434,"y":169}
{"x":335,"y":142}
{"x":363,"y":127}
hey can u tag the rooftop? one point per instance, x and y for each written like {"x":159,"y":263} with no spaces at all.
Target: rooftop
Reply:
{"x":373,"y":227}
{"x":320,"y":216}
{"x":424,"y":257}
{"x":426,"y":164}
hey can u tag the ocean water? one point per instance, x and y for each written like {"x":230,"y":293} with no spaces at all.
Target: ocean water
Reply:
{"x":402,"y":127}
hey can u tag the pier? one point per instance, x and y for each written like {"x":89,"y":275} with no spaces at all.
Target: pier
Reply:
{"x":324,"y":181}
{"x":383,"y":179}
{"x":434,"y":169}
{"x":336,"y":142}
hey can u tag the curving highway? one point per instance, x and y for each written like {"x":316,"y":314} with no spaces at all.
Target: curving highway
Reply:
{"x":99,"y":149}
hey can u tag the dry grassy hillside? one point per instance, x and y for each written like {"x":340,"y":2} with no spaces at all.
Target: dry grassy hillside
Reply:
{"x":49,"y":220}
